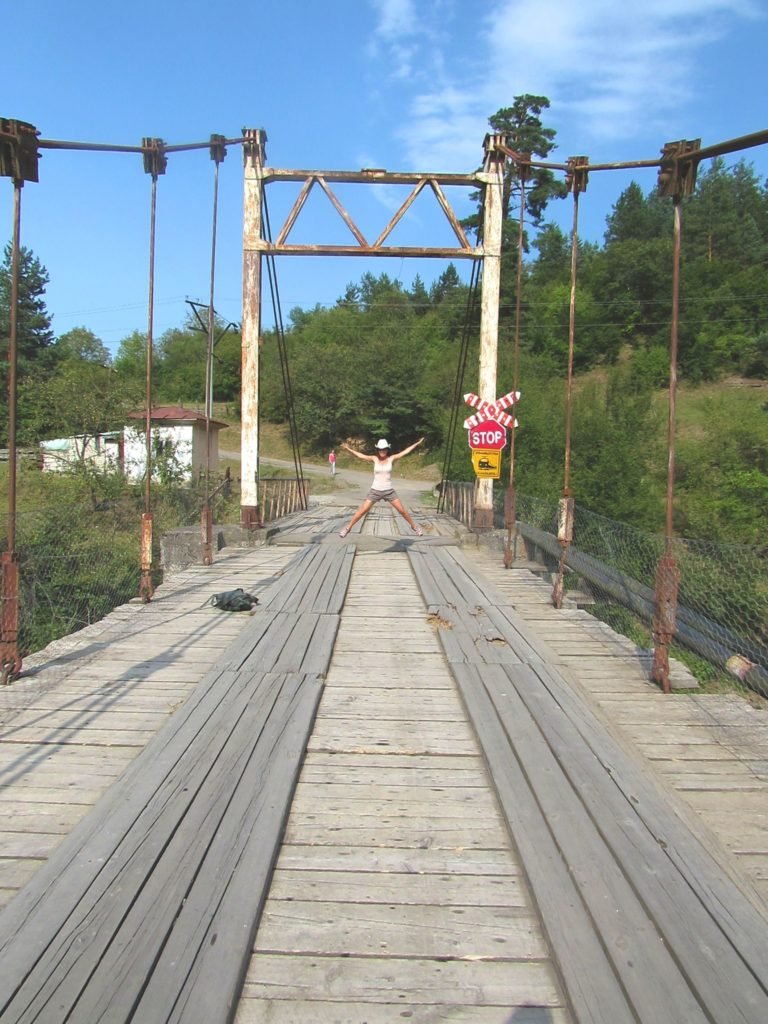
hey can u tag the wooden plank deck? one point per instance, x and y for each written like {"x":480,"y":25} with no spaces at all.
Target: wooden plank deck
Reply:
{"x":411,"y":882}
{"x":644,"y":894}
{"x":710,"y":749}
{"x":397,"y":890}
{"x":145,"y":910}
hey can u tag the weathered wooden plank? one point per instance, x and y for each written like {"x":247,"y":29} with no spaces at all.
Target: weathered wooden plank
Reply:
{"x":431,"y":888}
{"x":317,"y":655}
{"x":326,"y":565}
{"x":76,"y":899}
{"x":445,"y":833}
{"x":389,"y":669}
{"x":430,"y":590}
{"x":119,"y":719}
{"x":41,"y":815}
{"x":341,"y":929}
{"x":595,"y":993}
{"x":288,"y":586}
{"x":282,"y":1010}
{"x":37,"y":845}
{"x":332,"y":809}
{"x":128,"y":951}
{"x":81,"y":737}
{"x":416,"y":860}
{"x":264,"y":656}
{"x":627,"y":929}
{"x":455,"y":778}
{"x":421,"y":981}
{"x":362,"y":705}
{"x":15,"y":871}
{"x":336,"y":599}
{"x":217,"y":923}
{"x":713,"y":928}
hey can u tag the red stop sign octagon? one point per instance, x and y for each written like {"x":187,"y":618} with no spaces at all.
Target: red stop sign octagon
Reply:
{"x":488,"y":435}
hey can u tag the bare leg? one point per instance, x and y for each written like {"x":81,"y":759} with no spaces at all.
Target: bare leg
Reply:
{"x":364,"y":509}
{"x":400,"y":507}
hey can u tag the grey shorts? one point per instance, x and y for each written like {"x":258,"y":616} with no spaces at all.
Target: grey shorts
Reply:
{"x":375,"y":496}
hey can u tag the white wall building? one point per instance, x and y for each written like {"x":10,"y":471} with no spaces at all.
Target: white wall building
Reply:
{"x":179,"y":446}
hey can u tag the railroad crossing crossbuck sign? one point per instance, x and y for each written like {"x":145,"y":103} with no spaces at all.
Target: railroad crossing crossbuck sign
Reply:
{"x":487,"y":432}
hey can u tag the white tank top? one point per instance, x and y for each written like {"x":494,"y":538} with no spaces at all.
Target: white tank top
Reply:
{"x":382,"y":475}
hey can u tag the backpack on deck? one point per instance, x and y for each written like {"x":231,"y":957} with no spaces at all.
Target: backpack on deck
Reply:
{"x":234,"y":601}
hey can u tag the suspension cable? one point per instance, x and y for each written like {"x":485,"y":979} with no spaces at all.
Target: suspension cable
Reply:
{"x":282,"y":351}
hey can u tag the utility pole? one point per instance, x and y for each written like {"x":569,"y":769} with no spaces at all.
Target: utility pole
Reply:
{"x":254,"y":155}
{"x":493,"y":177}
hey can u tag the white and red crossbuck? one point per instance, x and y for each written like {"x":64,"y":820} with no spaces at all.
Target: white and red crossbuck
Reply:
{"x":491,"y":410}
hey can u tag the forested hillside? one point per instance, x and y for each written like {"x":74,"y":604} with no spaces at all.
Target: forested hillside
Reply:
{"x":383,"y":360}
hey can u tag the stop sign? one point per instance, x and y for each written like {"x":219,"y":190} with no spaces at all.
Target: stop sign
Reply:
{"x":487,"y":434}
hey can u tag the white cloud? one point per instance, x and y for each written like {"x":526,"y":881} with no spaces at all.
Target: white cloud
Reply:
{"x":609,"y":68}
{"x":396,"y":18}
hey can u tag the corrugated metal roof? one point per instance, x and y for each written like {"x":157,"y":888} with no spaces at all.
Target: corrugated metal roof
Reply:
{"x":175,"y":414}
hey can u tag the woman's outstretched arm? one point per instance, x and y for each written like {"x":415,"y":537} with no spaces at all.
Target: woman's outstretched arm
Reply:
{"x":409,"y":449}
{"x":359,"y":455}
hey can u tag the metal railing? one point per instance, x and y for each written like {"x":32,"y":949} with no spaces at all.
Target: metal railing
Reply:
{"x":722,"y":614}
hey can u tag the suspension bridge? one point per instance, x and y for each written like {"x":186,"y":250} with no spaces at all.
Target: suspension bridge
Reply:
{"x":417,"y":782}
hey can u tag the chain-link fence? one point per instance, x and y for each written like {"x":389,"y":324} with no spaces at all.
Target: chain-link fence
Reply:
{"x":80,"y":559}
{"x":722,"y":614}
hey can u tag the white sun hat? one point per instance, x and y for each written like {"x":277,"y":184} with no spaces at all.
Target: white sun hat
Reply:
{"x":382,"y":443}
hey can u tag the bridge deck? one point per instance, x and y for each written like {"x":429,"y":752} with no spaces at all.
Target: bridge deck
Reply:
{"x":405,"y":786}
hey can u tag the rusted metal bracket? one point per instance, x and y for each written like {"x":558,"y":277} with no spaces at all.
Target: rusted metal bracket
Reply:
{"x":565,"y":537}
{"x":218,"y":148}
{"x":10,"y":661}
{"x":577,"y":175}
{"x":18,"y":150}
{"x":254,"y":146}
{"x":665,"y":618}
{"x":155,"y":160}
{"x":679,"y":165}
{"x":146,"y":587}
{"x":206,"y":534}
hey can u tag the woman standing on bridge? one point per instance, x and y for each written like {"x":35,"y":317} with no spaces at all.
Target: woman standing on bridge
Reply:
{"x":381,"y":489}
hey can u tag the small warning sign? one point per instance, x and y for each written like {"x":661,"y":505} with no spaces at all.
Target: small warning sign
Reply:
{"x":486,"y":463}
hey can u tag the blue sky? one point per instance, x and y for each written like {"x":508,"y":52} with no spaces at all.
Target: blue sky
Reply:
{"x":400,"y":84}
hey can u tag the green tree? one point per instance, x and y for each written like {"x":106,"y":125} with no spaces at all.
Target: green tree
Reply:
{"x":180,"y":365}
{"x":638,"y":218}
{"x":33,"y":329}
{"x":725,"y":220}
{"x":131,"y":359}
{"x":79,"y":399}
{"x":33,"y":324}
{"x":615,"y":441}
{"x":524,"y":133}
{"x":82,"y":344}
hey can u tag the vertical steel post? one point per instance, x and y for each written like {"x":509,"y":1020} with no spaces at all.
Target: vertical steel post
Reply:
{"x":493,"y":177}
{"x":577,"y":183}
{"x":218,"y":152}
{"x":667,"y":571}
{"x":10,"y":661}
{"x":677,"y":178}
{"x":253,"y":157}
{"x":154,"y":164}
{"x":510,"y":498}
